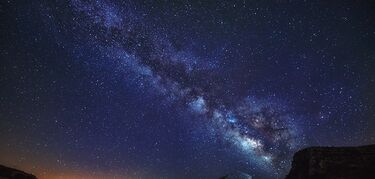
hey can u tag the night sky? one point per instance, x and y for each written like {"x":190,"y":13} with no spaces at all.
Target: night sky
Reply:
{"x":195,"y":89}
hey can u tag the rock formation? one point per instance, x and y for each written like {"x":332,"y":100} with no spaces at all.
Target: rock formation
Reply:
{"x":11,"y":173}
{"x":334,"y":163}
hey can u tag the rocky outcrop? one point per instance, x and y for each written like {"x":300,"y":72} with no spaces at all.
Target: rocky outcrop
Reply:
{"x":11,"y":173}
{"x":334,"y":163}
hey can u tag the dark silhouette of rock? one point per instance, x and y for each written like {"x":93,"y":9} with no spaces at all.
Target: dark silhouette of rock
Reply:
{"x":334,"y":163}
{"x":11,"y":173}
{"x":237,"y":175}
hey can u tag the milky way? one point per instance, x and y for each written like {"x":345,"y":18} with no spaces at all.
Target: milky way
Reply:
{"x":262,"y":129}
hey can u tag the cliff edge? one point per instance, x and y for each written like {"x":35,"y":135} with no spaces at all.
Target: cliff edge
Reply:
{"x":11,"y":173}
{"x":334,"y":163}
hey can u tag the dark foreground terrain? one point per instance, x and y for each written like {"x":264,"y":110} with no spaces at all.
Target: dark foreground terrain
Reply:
{"x":334,"y":163}
{"x":11,"y":173}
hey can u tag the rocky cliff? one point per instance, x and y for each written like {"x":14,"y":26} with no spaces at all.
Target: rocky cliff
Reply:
{"x":334,"y":163}
{"x":11,"y":173}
